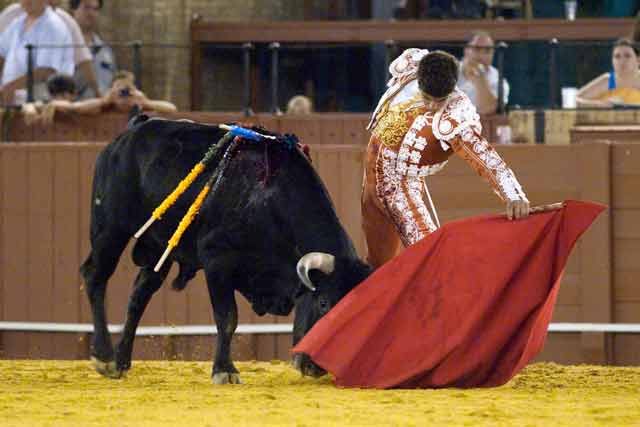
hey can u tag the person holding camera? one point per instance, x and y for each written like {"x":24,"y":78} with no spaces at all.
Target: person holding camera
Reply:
{"x":124,"y":95}
{"x":121,"y":97}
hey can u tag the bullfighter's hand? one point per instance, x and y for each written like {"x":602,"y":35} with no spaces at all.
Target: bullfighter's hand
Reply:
{"x":517,"y":209}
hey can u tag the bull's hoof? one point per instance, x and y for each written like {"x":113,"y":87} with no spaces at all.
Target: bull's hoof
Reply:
{"x":307,"y":367}
{"x":226,"y":378}
{"x":107,"y":369}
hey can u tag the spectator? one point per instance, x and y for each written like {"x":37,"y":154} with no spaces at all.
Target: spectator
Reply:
{"x":299,"y":105}
{"x":478,"y":78}
{"x":61,"y":88}
{"x":86,"y":13}
{"x":82,"y":55}
{"x":122,"y":97}
{"x":40,"y":25}
{"x":618,"y":87}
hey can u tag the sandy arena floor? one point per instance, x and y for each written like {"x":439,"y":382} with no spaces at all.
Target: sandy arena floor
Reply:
{"x":54,"y":393}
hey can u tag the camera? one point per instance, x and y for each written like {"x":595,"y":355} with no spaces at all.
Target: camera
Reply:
{"x":125,"y":92}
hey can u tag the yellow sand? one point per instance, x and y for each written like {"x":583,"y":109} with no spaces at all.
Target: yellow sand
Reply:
{"x":54,"y":393}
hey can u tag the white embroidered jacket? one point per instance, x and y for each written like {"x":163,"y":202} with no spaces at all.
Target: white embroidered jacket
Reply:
{"x":421,"y":141}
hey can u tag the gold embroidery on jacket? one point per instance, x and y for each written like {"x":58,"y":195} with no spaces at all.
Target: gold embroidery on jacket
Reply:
{"x":395,"y":122}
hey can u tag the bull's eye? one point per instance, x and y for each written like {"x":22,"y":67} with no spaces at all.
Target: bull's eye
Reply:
{"x":323,"y":305}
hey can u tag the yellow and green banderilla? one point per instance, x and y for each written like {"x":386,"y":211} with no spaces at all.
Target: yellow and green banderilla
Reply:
{"x":190,"y":178}
{"x":197,"y":169}
{"x":184,"y":184}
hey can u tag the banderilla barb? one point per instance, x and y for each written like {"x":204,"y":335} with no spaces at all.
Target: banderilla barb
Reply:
{"x":197,"y":169}
{"x":195,"y":206}
{"x":210,"y":185}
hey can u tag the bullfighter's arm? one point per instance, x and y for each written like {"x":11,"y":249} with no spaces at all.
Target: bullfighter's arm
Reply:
{"x":484,"y":159}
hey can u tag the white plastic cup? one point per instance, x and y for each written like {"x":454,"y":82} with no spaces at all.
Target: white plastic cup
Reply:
{"x":503,"y":132}
{"x":570,"y":8}
{"x":569,"y":95}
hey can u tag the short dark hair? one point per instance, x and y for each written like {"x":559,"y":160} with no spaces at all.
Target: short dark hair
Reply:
{"x":74,"y":4}
{"x":438,"y":74}
{"x":59,"y":84}
{"x":627,"y":43}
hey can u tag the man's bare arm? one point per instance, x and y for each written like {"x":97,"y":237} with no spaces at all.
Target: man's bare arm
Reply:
{"x":9,"y":89}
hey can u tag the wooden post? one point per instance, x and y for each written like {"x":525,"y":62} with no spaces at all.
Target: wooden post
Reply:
{"x":595,"y":257}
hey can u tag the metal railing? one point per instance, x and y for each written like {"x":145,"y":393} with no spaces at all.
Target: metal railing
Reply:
{"x":276,"y":49}
{"x":134,"y":46}
{"x":268,"y":328}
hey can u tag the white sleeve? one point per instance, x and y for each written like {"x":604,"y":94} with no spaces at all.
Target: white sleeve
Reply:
{"x":81,"y":51}
{"x":494,"y":78}
{"x":5,"y":43}
{"x":60,"y":59}
{"x":506,"y":91}
{"x":8,"y":15}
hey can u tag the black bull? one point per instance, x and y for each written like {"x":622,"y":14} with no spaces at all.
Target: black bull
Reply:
{"x":251,"y":235}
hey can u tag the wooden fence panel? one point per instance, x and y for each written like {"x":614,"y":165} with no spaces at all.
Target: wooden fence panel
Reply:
{"x":15,"y":164}
{"x":66,"y":257}
{"x":40,"y":243}
{"x":625,"y":167}
{"x":45,"y":238}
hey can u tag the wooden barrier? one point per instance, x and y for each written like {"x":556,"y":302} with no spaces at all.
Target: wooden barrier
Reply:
{"x":423,"y":31}
{"x":605,"y":132}
{"x":325,"y":128}
{"x":44,"y":226}
{"x":561,"y":125}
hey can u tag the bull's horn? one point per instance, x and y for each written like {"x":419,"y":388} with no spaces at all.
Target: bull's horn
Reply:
{"x":315,"y":261}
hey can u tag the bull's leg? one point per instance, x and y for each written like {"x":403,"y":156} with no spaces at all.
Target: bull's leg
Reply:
{"x":106,"y":249}
{"x":226,"y":315}
{"x":146,"y":284}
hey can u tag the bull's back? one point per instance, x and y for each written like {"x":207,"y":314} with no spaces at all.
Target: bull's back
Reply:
{"x":143,"y":165}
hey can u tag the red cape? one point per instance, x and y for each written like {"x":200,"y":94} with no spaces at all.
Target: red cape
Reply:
{"x":468,"y":306}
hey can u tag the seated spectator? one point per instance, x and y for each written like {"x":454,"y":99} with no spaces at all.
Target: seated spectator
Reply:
{"x":122,"y":97}
{"x":61,"y":88}
{"x":620,"y":86}
{"x":478,"y":78}
{"x":86,"y":12}
{"x":299,"y":105}
{"x":40,"y":25}
{"x":81,"y":54}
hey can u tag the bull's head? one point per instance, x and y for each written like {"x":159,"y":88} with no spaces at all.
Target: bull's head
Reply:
{"x":326,"y":279}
